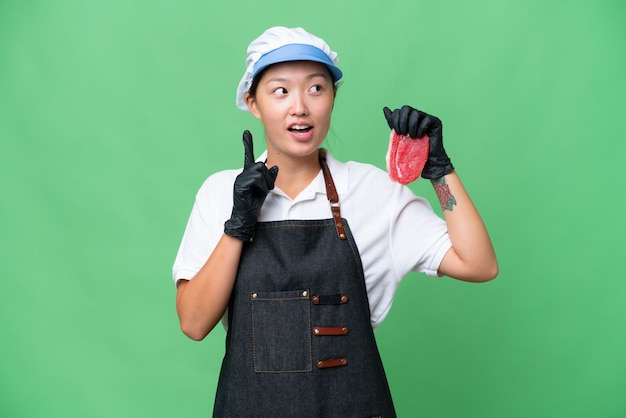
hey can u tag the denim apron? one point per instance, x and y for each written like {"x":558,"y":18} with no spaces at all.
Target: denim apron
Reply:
{"x":299,"y":341}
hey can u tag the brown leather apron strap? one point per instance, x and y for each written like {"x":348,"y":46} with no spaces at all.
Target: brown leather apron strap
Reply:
{"x":324,"y":331}
{"x":333,"y":197}
{"x":333,"y":362}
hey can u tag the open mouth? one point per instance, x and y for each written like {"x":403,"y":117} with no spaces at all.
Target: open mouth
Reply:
{"x":300,"y":128}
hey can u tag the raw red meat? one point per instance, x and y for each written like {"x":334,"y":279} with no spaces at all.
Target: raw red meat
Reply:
{"x":406,"y":157}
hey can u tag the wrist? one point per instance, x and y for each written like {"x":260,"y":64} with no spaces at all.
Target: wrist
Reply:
{"x":236,"y":228}
{"x":446,"y":199}
{"x":437,"y":168}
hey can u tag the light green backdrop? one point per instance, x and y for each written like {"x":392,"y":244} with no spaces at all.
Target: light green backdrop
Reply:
{"x":112,"y":113}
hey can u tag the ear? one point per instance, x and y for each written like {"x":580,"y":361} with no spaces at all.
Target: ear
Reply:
{"x":252,"y":105}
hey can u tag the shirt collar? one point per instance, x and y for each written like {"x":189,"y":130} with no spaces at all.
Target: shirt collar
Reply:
{"x":338,"y":171}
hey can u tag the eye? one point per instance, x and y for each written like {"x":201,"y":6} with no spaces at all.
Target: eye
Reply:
{"x":280,"y":91}
{"x":316,"y":88}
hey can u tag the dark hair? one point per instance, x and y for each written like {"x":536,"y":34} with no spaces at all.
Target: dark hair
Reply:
{"x":255,"y":82}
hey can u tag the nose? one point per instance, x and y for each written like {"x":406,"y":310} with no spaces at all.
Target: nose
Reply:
{"x":298,"y":105}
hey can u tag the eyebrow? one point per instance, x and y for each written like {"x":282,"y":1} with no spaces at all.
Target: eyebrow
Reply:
{"x":308,"y":77}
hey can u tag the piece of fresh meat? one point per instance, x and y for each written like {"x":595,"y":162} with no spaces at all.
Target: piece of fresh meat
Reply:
{"x":406,"y":157}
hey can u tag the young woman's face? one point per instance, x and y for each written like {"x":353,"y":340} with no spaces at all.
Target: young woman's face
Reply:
{"x":294,"y":101}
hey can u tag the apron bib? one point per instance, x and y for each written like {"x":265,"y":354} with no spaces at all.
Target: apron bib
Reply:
{"x":299,"y":341}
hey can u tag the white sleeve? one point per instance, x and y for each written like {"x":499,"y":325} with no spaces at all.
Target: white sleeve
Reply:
{"x":194,"y":248}
{"x":419,"y":238}
{"x":205,"y":225}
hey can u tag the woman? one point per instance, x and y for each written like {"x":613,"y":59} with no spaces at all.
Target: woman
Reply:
{"x":300,"y":255}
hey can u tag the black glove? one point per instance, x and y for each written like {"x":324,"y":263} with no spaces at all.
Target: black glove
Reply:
{"x":416,"y":123}
{"x":249,"y":192}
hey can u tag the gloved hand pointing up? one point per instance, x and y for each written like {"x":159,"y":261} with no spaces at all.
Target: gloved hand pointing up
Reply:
{"x":249,"y":192}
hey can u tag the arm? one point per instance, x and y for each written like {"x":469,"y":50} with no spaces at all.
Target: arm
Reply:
{"x":472,"y":257}
{"x":202,"y":301}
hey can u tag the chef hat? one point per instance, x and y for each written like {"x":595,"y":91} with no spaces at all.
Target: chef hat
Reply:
{"x":280,"y":44}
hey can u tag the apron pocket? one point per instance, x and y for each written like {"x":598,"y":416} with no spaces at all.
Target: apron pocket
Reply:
{"x":281,"y":331}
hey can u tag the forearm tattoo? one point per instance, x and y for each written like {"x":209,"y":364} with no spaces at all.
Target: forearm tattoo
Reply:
{"x":446,"y":199}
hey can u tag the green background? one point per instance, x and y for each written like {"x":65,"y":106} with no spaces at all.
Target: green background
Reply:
{"x":112,"y":113}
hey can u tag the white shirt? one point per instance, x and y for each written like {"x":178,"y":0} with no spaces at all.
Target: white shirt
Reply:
{"x":394,"y":230}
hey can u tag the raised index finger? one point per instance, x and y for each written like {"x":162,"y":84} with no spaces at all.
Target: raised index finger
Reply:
{"x":248,"y":149}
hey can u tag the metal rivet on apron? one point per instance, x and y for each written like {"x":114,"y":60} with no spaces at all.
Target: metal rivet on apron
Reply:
{"x":344,"y":298}
{"x":305,"y":293}
{"x":320,"y":364}
{"x":316,"y":300}
{"x":342,"y":236}
{"x":254,"y":295}
{"x":316,"y":331}
{"x":344,"y":330}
